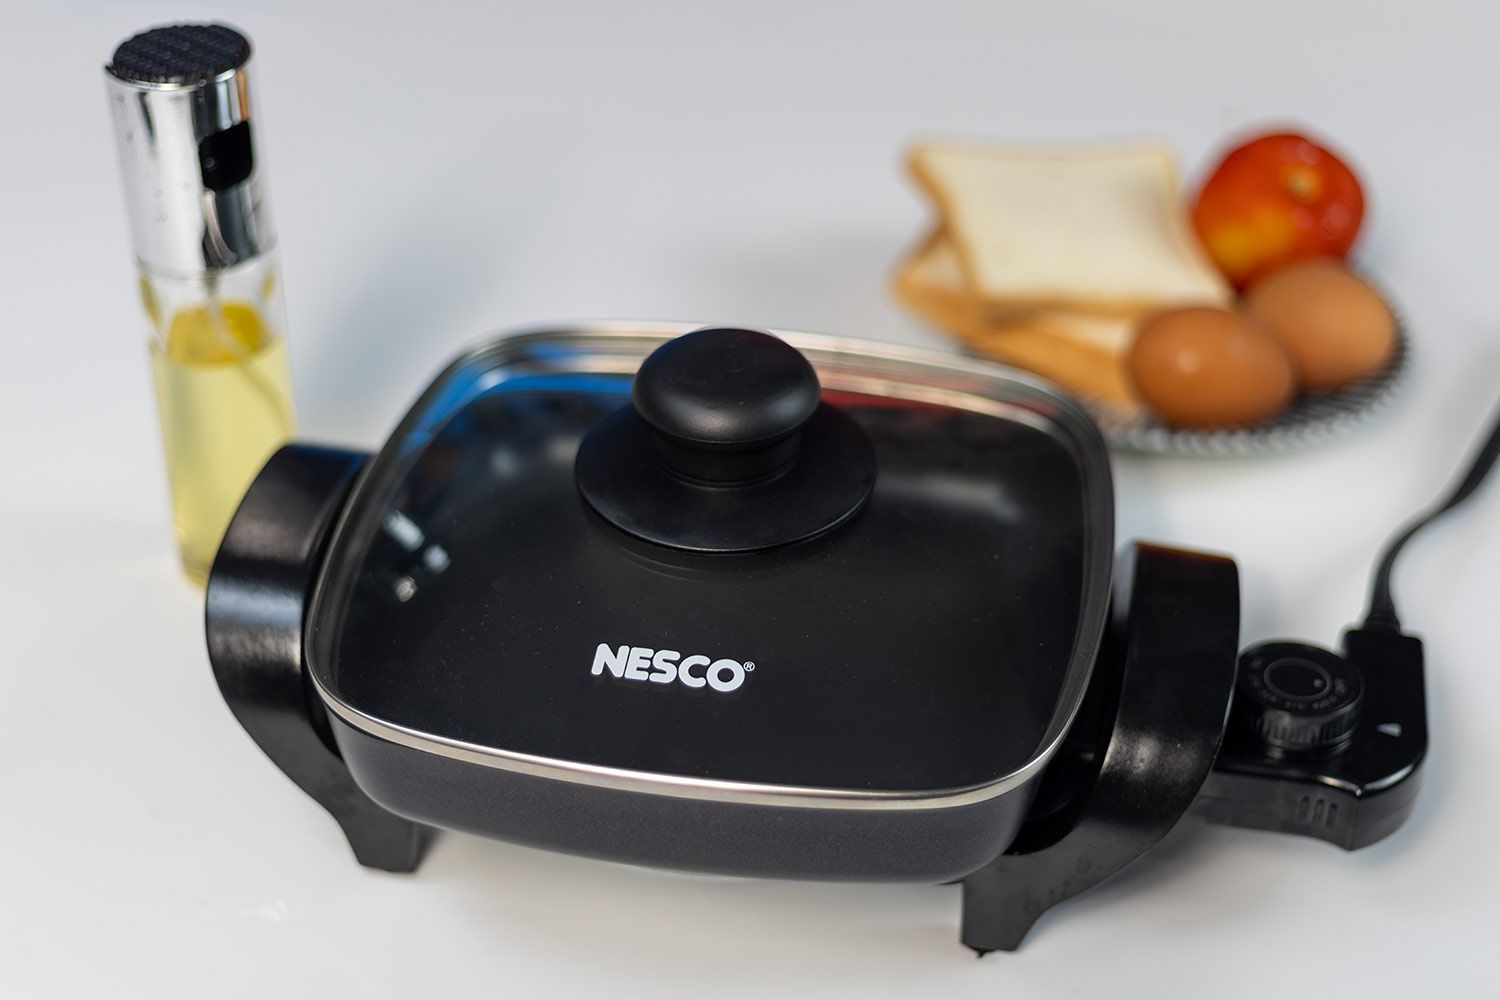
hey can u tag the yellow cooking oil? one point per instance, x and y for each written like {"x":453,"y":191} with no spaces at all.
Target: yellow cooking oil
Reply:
{"x":223,"y":389}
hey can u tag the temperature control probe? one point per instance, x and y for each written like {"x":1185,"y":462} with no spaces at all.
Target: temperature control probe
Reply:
{"x":1330,"y":744}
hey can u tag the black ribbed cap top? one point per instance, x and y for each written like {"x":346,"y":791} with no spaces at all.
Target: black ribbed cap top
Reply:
{"x":180,"y":53}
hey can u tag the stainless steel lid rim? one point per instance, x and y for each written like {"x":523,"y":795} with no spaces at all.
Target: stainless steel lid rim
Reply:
{"x":681,"y":786}
{"x":630,"y":341}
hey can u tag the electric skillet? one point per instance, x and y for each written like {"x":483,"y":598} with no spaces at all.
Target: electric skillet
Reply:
{"x":786,"y":606}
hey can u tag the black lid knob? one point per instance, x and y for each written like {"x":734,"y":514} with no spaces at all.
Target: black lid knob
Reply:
{"x":1298,"y":697}
{"x":727,"y":446}
{"x":726,"y":404}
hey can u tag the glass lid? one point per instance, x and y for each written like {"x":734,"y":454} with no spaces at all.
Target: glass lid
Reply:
{"x":888,"y":580}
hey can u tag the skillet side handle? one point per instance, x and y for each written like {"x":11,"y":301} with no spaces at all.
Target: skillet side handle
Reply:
{"x":1152,"y":724}
{"x":254,"y":613}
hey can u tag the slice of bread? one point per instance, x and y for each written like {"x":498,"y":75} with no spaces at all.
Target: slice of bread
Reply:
{"x":1099,"y":230}
{"x":1082,"y":353}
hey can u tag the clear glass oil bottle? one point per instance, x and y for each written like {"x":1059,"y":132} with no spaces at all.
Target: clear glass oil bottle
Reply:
{"x":223,"y":392}
{"x":186,"y":125}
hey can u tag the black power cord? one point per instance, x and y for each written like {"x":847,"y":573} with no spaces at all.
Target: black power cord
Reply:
{"x":1382,"y":612}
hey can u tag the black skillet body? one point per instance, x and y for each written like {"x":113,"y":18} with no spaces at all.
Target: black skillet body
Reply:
{"x":719,"y":616}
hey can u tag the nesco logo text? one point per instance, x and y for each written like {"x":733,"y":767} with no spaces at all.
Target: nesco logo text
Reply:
{"x":664,"y":666}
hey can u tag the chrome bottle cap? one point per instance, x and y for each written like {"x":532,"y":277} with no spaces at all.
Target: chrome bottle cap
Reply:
{"x":180,"y":99}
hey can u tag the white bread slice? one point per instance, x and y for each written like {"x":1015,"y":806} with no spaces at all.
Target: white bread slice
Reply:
{"x":1083,"y":353}
{"x":1087,"y":229}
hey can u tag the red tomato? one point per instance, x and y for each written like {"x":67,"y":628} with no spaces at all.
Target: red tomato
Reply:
{"x":1275,"y":200}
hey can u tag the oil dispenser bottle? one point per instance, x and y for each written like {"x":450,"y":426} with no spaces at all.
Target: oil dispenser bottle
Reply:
{"x":210,"y":286}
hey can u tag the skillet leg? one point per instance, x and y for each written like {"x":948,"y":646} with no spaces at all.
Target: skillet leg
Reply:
{"x":1140,"y":749}
{"x":255,"y":605}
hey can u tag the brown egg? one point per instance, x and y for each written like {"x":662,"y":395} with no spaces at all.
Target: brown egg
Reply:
{"x":1202,"y":367}
{"x":1333,"y":326}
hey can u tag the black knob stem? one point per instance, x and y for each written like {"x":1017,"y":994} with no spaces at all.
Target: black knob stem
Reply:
{"x":726,"y":468}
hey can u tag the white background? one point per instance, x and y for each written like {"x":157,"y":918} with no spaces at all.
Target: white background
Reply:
{"x":440,"y":172}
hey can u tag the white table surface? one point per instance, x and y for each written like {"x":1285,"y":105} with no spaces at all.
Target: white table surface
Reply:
{"x":439,"y":172}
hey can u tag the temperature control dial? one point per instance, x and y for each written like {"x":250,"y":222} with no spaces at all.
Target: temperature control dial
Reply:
{"x":1298,"y":697}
